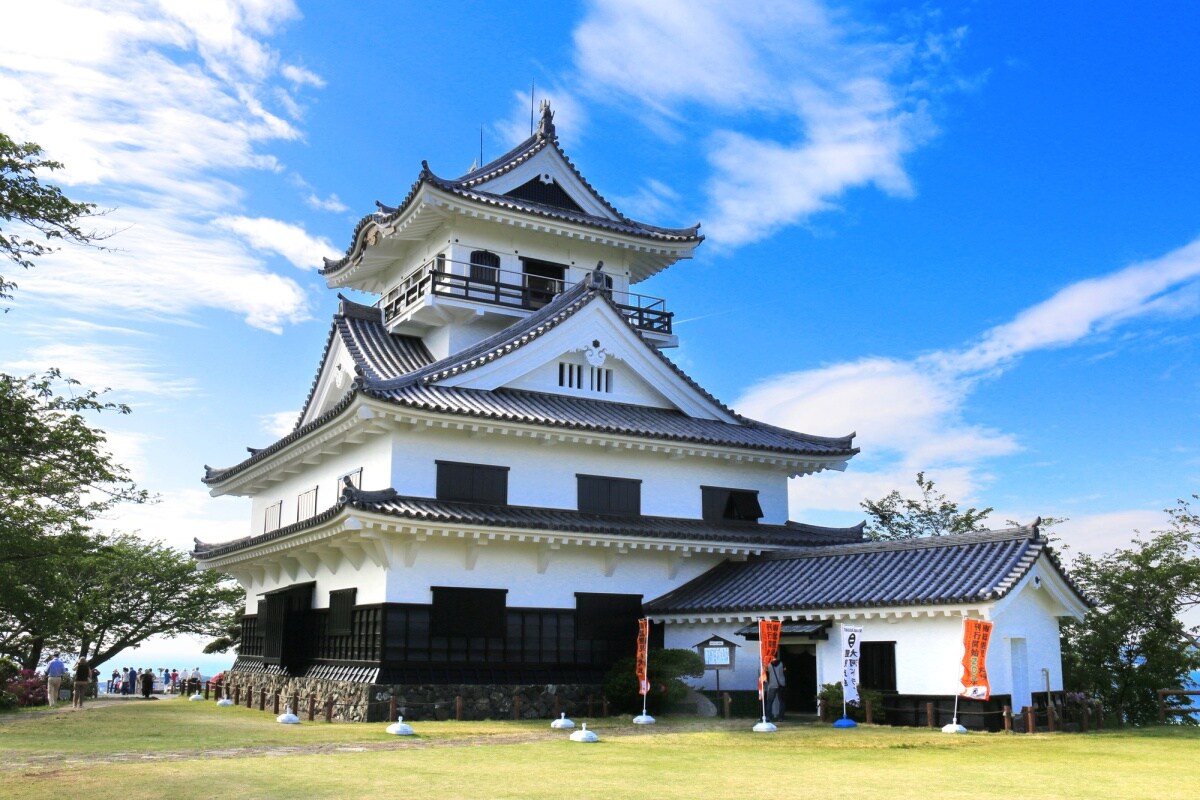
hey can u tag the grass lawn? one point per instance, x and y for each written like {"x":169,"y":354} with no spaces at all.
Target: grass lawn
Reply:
{"x":178,"y":749}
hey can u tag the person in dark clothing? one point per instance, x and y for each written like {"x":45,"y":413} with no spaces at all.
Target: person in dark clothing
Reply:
{"x":83,"y":679}
{"x":147,"y":681}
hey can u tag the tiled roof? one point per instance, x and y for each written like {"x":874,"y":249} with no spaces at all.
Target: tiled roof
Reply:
{"x":381,"y":357}
{"x":466,"y":187}
{"x":957,"y":568}
{"x":424,"y":509}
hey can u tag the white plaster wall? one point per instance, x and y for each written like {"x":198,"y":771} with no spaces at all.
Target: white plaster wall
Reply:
{"x":627,"y":385}
{"x":1029,"y":614}
{"x":744,"y":674}
{"x":512,"y":243}
{"x":373,"y":455}
{"x":514,"y":566}
{"x":544,"y":475}
{"x":928,"y":652}
{"x":370,"y":581}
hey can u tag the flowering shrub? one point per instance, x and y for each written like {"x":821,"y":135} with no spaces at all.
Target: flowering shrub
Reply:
{"x":28,"y":688}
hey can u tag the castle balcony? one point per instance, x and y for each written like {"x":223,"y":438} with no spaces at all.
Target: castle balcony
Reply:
{"x":444,"y":291}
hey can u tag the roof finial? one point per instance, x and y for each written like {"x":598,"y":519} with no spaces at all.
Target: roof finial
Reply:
{"x":546,"y":123}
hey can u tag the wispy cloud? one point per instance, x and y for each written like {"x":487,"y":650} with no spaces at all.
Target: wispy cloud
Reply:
{"x":856,"y":95}
{"x":911,"y":414}
{"x":272,"y":236}
{"x":151,"y":105}
{"x":279,"y":423}
{"x":96,"y":365}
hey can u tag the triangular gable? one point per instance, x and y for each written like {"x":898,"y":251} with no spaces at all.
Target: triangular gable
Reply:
{"x":548,"y":178}
{"x":359,"y":344}
{"x":613,"y":363}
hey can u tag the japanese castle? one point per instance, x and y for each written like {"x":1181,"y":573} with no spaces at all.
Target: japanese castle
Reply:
{"x":497,"y":471}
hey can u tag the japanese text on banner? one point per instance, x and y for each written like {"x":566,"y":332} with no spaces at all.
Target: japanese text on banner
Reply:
{"x":643,"y":643}
{"x":976,"y":634}
{"x":851,"y":636}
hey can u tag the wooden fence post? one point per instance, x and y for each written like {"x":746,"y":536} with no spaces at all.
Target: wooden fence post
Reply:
{"x":557,"y":709}
{"x":604,"y":705}
{"x":296,"y":702}
{"x":207,"y":684}
{"x":1007,"y":714}
{"x":590,"y":714}
{"x":1085,"y":718}
{"x":930,"y":716}
{"x":312,"y":706}
{"x":1030,"y":719}
{"x":1051,"y":723}
{"x":516,"y":706}
{"x":727,"y":702}
{"x":392,"y":709}
{"x":1162,"y":706}
{"x":328,"y":710}
{"x":870,"y":718}
{"x":458,"y":707}
{"x":275,"y":702}
{"x":262,"y":699}
{"x":237,"y":695}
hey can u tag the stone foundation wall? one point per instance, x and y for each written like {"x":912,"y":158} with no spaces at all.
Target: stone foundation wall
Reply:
{"x":359,"y":702}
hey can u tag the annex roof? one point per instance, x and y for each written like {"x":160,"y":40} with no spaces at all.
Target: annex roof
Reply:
{"x":380,"y":358}
{"x":486,"y":186}
{"x":427,"y":510}
{"x":957,"y":568}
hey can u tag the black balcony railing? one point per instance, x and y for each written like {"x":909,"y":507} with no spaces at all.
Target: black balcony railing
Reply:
{"x":520,"y":290}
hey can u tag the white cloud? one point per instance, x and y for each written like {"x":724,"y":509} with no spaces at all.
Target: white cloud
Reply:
{"x":290,"y":241}
{"x":910,"y":414}
{"x":181,"y":516}
{"x":149,"y":104}
{"x":104,"y":366}
{"x":332,"y":203}
{"x":570,"y":118}
{"x":1096,"y":534}
{"x":279,"y":424}
{"x":856,"y":98}
{"x":1166,"y":285}
{"x":301,"y":76}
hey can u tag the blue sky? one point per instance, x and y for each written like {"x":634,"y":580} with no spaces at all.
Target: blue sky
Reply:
{"x":969,"y":232}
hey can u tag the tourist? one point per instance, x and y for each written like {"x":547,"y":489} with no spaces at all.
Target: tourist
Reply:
{"x":775,"y":682}
{"x":114,"y":681}
{"x":147,"y":683}
{"x":54,"y":675}
{"x":174,"y":680}
{"x":83,"y":679}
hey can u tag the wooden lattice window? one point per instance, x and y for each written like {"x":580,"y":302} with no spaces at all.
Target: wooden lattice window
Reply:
{"x":341,"y":612}
{"x":306,"y":505}
{"x":272,"y":516}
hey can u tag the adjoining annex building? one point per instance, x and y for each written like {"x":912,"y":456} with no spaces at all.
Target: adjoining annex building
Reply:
{"x":497,"y":472}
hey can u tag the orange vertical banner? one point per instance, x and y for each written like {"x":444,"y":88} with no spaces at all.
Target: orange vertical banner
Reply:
{"x":643,"y":646}
{"x":976,"y":634}
{"x":768,"y":648}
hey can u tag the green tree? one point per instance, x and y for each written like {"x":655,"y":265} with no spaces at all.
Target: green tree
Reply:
{"x":56,"y":478}
{"x":126,"y":589}
{"x":42,"y":213}
{"x":894,"y":516}
{"x":1134,"y":641}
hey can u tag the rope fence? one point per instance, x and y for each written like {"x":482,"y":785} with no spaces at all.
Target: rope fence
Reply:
{"x":1083,"y":716}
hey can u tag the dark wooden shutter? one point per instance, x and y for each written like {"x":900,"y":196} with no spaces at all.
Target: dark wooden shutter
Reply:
{"x":468,"y":612}
{"x":877,"y":662}
{"x":341,"y":612}
{"x":722,"y":505}
{"x":602,"y":495}
{"x":472,"y":483}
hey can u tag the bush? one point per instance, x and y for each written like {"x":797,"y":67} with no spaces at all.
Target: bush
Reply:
{"x":28,"y":688}
{"x":665,"y":671}
{"x":831,"y":700}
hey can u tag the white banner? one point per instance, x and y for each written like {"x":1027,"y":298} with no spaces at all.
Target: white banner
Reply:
{"x":851,"y":636}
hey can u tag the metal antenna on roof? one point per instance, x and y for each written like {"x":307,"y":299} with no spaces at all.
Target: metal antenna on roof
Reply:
{"x":532,"y":94}
{"x":481,"y":144}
